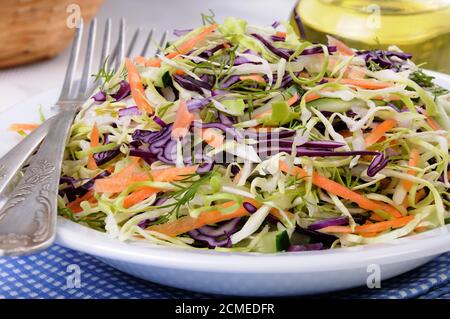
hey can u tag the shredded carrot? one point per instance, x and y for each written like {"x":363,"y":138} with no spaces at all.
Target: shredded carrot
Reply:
{"x":17,"y":127}
{"x":116,"y":184}
{"x":370,"y":228}
{"x":376,"y":217}
{"x":155,"y":63}
{"x":312,"y":97}
{"x":421,"y":193}
{"x":293,"y":99}
{"x":179,"y":72}
{"x":351,"y":71}
{"x":253,"y":77}
{"x":237,"y":177}
{"x":346,"y":133}
{"x":188,"y":223}
{"x":372,"y":234}
{"x":389,"y":209}
{"x":280,"y":34}
{"x":122,"y":179}
{"x":140,"y":60}
{"x":379,"y":131}
{"x":111,"y":168}
{"x":276,"y":213}
{"x":339,"y":190}
{"x":137,"y":89}
{"x":340,"y":46}
{"x":369,"y":234}
{"x":355,"y":72}
{"x":389,"y":98}
{"x":185,"y":47}
{"x":365,"y":84}
{"x":420,"y":229}
{"x":161,"y":175}
{"x":172,"y":174}
{"x":413,"y":162}
{"x":337,"y":229}
{"x":432,"y":123}
{"x":263,"y":114}
{"x":95,"y":141}
{"x":74,"y":206}
{"x":212,"y":137}
{"x":183,"y":120}
{"x":191,"y":43}
{"x":139,"y":195}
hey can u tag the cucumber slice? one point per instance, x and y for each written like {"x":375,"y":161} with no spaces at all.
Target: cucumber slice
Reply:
{"x":282,"y":241}
{"x":273,"y":242}
{"x":300,"y":239}
{"x":335,"y":105}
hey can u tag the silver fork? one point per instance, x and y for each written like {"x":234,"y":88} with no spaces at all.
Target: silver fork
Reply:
{"x":28,"y":219}
{"x":12,"y":162}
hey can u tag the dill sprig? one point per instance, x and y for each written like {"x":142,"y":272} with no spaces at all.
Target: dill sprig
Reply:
{"x":422,"y":79}
{"x":426,"y":81}
{"x":208,"y":18}
{"x":105,"y":73}
{"x":95,"y":220}
{"x":373,"y":66}
{"x":186,"y":193}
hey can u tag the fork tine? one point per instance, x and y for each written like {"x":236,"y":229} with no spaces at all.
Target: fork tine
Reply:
{"x":133,"y":42}
{"x":121,"y":44}
{"x":73,"y":58}
{"x":162,"y":43}
{"x":104,"y":52}
{"x":106,"y":41}
{"x":113,"y":56}
{"x":88,"y":58}
{"x":147,"y":43}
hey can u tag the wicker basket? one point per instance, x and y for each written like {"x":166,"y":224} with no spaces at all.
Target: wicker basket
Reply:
{"x":32,"y":30}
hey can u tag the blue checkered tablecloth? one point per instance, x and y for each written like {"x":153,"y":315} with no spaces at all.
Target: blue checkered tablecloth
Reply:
{"x":44,"y":275}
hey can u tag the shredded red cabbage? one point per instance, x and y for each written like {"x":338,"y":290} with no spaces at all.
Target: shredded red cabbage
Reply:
{"x":249,"y":207}
{"x":189,"y":83}
{"x":230,"y":81}
{"x":282,"y":53}
{"x":223,"y":229}
{"x":305,"y":247}
{"x":211,"y":242}
{"x":106,"y":156}
{"x":129,"y":111}
{"x":383,"y":59}
{"x":180,"y":33}
{"x":338,"y":221}
{"x":123,"y":91}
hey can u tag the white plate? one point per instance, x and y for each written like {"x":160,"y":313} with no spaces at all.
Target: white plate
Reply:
{"x":245,"y":274}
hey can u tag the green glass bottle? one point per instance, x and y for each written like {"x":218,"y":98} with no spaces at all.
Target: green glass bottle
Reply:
{"x":420,"y":27}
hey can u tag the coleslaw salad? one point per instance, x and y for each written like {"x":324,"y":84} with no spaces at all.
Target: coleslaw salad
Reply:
{"x":249,"y":138}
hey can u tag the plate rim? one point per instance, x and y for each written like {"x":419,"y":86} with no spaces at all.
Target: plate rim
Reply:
{"x":430,"y":243}
{"x":70,"y":235}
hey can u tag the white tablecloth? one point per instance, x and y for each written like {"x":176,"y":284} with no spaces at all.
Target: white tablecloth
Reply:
{"x":17,"y":84}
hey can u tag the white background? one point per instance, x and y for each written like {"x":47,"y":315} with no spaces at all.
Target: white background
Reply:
{"x":20,"y":83}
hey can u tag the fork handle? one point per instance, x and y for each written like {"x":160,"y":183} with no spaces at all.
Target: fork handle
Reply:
{"x":12,"y":162}
{"x":28,"y":218}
